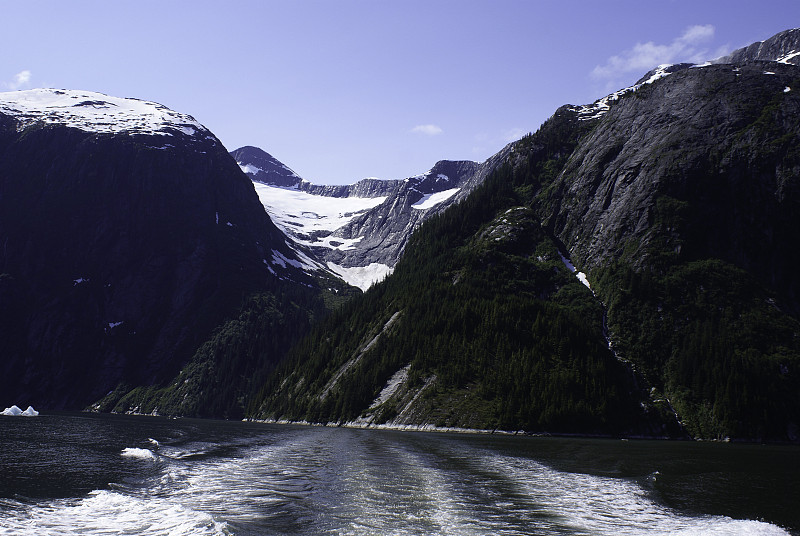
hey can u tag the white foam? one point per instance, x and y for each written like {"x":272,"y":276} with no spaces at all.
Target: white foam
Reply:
{"x":142,"y":454}
{"x":591,"y":504}
{"x":108,"y":512}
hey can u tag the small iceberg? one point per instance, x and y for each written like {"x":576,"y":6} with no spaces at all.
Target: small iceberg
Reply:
{"x":13,"y":411}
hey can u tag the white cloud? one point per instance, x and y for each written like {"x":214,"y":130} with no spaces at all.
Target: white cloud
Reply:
{"x":428,"y":130}
{"x":514,"y":134}
{"x":642,"y":57}
{"x":22,"y":78}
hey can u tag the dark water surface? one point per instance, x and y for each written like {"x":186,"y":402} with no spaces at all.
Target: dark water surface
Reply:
{"x":103,"y":474}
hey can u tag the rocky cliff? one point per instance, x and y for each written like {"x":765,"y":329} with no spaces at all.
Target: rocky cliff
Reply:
{"x":127,"y":233}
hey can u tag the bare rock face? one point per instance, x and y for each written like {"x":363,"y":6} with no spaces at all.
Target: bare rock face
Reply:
{"x":783,"y":48}
{"x":700,"y":139}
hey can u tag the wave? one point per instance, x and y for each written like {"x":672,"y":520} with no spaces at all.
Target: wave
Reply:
{"x":109,"y":512}
{"x":142,"y":454}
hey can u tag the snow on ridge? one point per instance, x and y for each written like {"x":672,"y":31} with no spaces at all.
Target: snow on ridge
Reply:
{"x":430,"y":200}
{"x":249,"y":168}
{"x":786,"y":57}
{"x":95,"y":112}
{"x":599,"y":107}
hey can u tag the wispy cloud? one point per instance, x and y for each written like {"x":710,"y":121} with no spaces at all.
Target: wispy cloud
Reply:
{"x":513,"y":134}
{"x":428,"y":130}
{"x":21,"y":79}
{"x":690,"y":46}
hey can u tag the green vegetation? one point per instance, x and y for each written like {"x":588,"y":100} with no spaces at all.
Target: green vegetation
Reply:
{"x":497,"y":332}
{"x":228,"y":369}
{"x":713,"y":341}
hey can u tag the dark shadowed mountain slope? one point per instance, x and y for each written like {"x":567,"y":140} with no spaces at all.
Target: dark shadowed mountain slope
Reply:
{"x":127,"y":233}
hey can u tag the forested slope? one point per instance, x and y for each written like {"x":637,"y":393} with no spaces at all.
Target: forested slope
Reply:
{"x":678,"y":200}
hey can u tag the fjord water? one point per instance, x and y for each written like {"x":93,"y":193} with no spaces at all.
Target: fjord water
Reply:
{"x":102,"y":474}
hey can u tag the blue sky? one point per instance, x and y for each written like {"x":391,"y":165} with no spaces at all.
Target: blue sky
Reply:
{"x":342,"y":90}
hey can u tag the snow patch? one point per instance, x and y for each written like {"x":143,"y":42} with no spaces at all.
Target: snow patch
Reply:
{"x":431,"y":200}
{"x":785,"y":58}
{"x":297,"y":212}
{"x":362,"y":277}
{"x":14,"y":411}
{"x":95,"y":112}
{"x":571,"y":267}
{"x":249,"y":168}
{"x":601,"y":106}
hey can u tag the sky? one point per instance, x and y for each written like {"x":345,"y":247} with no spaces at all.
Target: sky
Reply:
{"x":340,"y":90}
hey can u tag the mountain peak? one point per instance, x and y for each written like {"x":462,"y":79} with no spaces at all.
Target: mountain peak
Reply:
{"x":95,"y":112}
{"x":783,"y":47}
{"x":264,"y":168}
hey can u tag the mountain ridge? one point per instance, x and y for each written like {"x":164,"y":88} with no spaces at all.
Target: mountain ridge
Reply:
{"x":128,"y":235}
{"x":650,"y":193}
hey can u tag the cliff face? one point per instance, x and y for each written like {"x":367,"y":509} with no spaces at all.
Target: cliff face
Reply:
{"x":120,"y":249}
{"x":720,"y":142}
{"x":782,"y":48}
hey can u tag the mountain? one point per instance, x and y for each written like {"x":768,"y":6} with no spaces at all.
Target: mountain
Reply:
{"x":675,"y":203}
{"x":783,"y":47}
{"x":359,"y":230}
{"x":128,"y":235}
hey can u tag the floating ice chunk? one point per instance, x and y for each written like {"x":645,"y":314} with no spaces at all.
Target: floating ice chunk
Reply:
{"x":787,"y":89}
{"x":14,"y":411}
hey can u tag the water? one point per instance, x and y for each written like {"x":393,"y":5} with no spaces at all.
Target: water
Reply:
{"x":95,"y":474}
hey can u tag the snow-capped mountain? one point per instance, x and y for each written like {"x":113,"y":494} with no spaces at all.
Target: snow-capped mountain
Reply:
{"x":127,"y":234}
{"x":358,"y":230}
{"x":783,"y":48}
{"x":95,"y":112}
